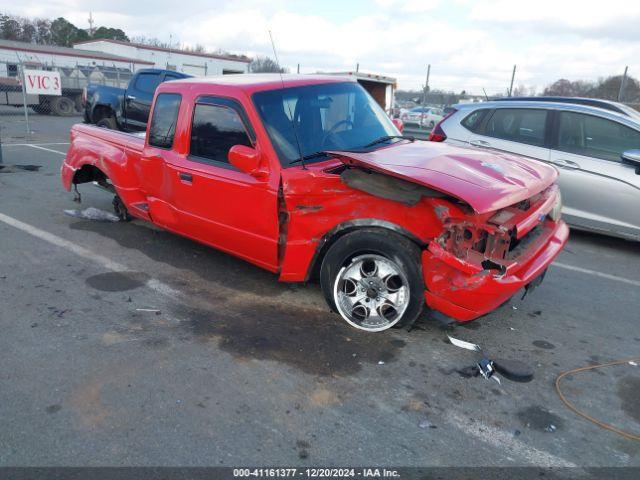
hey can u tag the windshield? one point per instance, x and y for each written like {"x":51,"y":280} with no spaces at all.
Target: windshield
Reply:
{"x":330,"y":116}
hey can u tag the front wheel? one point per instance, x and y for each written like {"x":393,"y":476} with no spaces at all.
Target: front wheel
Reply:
{"x":373,"y":279}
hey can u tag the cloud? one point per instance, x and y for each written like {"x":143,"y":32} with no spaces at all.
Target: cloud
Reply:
{"x":470,"y":45}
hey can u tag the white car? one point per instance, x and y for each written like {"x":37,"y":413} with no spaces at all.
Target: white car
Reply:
{"x":596,"y":151}
{"x":423,"y":117}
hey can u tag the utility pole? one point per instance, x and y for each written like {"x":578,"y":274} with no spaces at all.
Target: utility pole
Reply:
{"x":298,"y":68}
{"x":513,"y":76}
{"x":623,"y":84}
{"x":357,"y":67}
{"x":426,"y":86}
{"x":91,"y":29}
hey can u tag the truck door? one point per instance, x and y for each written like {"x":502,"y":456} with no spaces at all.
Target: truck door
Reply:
{"x":138,"y":98}
{"x":218,"y":204}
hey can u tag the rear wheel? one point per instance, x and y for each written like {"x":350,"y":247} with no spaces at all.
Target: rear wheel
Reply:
{"x":107,"y":122}
{"x":62,"y":106}
{"x":373,"y":279}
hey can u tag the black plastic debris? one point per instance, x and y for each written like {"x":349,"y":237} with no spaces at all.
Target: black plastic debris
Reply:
{"x":513,"y":370}
{"x":486,"y":369}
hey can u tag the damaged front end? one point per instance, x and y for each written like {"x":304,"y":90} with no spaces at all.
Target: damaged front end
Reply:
{"x":480,"y":261}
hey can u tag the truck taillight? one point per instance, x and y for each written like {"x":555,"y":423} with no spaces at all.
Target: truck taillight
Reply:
{"x":437,"y":134}
{"x":84,"y":95}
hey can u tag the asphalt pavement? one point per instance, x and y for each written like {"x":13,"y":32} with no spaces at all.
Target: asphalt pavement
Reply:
{"x":123,"y":344}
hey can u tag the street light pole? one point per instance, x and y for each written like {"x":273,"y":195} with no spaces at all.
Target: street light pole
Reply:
{"x":426,"y":86}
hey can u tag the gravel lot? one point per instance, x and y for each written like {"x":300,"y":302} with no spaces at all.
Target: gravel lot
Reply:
{"x":237,"y":369}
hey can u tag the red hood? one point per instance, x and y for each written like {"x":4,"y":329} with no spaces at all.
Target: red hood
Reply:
{"x":485,"y":179}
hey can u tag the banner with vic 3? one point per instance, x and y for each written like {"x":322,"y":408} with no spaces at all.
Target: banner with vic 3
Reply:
{"x":42,"y":82}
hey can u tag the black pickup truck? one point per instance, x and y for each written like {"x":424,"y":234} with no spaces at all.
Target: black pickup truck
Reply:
{"x":125,"y":109}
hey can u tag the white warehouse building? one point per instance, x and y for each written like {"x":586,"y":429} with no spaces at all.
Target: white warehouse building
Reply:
{"x":192,"y":63}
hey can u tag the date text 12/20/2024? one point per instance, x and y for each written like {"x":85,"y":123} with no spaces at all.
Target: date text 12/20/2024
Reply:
{"x":315,"y":472}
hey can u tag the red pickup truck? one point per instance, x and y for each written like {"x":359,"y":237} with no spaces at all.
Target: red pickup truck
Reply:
{"x":307,"y":177}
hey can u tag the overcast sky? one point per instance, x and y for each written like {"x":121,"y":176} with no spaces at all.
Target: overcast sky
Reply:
{"x":469,"y":44}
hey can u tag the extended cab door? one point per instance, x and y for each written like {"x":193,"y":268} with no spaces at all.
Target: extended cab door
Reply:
{"x":138,"y":98}
{"x":514,"y":130}
{"x":217,"y":203}
{"x":599,"y":191}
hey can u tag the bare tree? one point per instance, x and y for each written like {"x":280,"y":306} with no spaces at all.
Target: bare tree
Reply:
{"x":265,"y":65}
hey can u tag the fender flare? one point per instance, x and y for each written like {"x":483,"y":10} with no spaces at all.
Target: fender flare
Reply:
{"x":339,"y":230}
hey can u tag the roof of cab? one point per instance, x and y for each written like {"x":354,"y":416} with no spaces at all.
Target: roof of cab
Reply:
{"x":253,"y":82}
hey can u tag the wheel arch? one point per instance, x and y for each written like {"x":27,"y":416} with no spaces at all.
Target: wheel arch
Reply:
{"x":89,"y":173}
{"x":102,"y":110}
{"x":333,"y":235}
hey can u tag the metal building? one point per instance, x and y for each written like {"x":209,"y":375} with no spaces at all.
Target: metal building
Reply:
{"x":192,"y":63}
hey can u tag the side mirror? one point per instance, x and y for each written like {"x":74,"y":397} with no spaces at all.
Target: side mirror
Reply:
{"x":246,"y":159}
{"x":399,"y":124}
{"x":632,"y":157}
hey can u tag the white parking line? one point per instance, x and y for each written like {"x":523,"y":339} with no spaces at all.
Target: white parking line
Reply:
{"x":45,"y":149}
{"x":506,"y":442}
{"x":107,"y":263}
{"x":608,"y":276}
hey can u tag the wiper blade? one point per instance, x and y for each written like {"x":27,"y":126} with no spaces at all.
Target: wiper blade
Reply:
{"x":309,"y":157}
{"x":389,"y":137}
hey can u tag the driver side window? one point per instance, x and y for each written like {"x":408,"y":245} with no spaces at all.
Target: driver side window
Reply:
{"x":214,"y":131}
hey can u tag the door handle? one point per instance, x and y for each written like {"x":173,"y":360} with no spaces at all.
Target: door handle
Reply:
{"x":130,"y":97}
{"x":479,"y":143}
{"x":186,"y":177}
{"x":568,"y":164}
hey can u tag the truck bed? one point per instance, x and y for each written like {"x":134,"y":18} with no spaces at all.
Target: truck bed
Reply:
{"x":115,"y":154}
{"x":83,"y":132}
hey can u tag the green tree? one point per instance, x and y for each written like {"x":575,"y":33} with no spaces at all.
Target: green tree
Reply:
{"x":110,"y":33}
{"x":64,"y":33}
{"x":9,"y":28}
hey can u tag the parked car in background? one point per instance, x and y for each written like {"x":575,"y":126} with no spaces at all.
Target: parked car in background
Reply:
{"x":591,"y":102}
{"x":424,"y":117}
{"x":307,"y":177}
{"x":125,"y":109}
{"x":596,"y":151}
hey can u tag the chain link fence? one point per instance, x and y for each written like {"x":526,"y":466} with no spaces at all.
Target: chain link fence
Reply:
{"x":20,"y":109}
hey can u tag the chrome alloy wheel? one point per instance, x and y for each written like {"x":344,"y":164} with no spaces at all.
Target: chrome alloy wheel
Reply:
{"x":371,"y":293}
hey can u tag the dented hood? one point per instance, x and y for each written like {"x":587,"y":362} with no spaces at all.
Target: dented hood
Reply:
{"x":485,"y":179}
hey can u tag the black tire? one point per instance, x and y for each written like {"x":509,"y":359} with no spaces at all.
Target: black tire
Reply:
{"x":62,"y":106}
{"x":107,"y":122}
{"x":395,"y":247}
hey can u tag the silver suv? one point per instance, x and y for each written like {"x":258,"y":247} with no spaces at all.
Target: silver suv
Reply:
{"x":596,"y":151}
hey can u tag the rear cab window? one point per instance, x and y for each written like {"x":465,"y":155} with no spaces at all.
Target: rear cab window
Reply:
{"x":147,"y":82}
{"x":163,"y":122}
{"x":218,"y":125}
{"x":521,"y":125}
{"x":597,"y":137}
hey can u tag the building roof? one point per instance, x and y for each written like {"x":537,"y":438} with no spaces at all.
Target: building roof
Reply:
{"x":66,"y":51}
{"x":234,"y":58}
